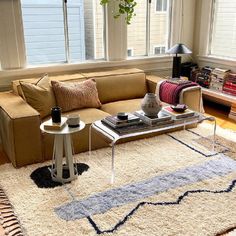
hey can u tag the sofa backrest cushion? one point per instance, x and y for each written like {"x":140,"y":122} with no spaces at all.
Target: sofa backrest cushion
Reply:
{"x":62,"y":77}
{"x":40,"y":95}
{"x":114,"y":87}
{"x":71,"y":96}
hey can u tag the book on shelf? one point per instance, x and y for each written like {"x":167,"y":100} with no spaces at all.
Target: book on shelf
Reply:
{"x":178,"y":81}
{"x":49,"y":125}
{"x":177,"y":115}
{"x":153,"y":120}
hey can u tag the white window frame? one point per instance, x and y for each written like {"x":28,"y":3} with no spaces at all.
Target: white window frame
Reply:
{"x":115,"y":48}
{"x":148,"y":25}
{"x":162,"y":6}
{"x":158,"y":46}
{"x":203,"y":36}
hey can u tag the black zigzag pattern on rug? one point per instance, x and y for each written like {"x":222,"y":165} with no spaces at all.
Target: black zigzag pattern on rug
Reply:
{"x":194,"y":149}
{"x":178,"y":201}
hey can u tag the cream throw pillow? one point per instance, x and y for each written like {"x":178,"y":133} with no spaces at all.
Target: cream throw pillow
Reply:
{"x":70,"y":96}
{"x":40,"y":95}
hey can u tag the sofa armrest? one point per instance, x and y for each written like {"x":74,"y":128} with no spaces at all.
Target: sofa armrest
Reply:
{"x":19,"y":129}
{"x":191,"y":96}
{"x":152,"y":81}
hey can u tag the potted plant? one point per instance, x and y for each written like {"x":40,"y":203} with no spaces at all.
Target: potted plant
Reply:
{"x":125,"y":7}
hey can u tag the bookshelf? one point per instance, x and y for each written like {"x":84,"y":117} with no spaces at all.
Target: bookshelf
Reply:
{"x":222,"y":98}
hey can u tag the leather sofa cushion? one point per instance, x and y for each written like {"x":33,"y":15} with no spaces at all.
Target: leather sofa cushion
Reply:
{"x":76,"y":77}
{"x":130,"y":105}
{"x":121,"y":87}
{"x":40,"y":95}
{"x":71,"y":96}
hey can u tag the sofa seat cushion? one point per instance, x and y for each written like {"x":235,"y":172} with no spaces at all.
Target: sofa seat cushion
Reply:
{"x":130,"y":105}
{"x":88,"y":115}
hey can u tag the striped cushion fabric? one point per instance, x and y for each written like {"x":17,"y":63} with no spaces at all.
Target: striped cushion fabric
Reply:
{"x":71,"y":96}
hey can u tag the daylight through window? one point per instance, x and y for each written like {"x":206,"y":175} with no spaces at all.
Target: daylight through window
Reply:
{"x":56,"y":31}
{"x":223,"y":40}
{"x":149,"y":28}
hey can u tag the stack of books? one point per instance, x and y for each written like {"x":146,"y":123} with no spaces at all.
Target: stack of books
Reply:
{"x":49,"y":125}
{"x":160,"y":119}
{"x":217,"y":79}
{"x":115,"y":122}
{"x":187,"y":115}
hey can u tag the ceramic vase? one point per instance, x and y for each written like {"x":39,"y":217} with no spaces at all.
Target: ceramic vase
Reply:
{"x":151,"y":105}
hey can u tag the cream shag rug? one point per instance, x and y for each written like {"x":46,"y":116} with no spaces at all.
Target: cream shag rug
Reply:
{"x":167,"y":185}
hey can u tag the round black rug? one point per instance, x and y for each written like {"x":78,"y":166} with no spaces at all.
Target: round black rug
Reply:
{"x":42,"y":176}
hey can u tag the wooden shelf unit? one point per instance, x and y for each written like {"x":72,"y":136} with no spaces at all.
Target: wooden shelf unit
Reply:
{"x":222,"y":98}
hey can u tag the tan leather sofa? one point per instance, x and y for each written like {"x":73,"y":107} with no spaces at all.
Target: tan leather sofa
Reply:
{"x":118,"y":90}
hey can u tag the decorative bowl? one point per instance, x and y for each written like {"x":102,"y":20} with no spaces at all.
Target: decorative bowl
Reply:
{"x":122,"y":115}
{"x":179,"y":107}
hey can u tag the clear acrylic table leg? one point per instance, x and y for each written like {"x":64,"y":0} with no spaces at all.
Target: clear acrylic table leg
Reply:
{"x":214,"y":136}
{"x":113,"y":163}
{"x":213,"y":119}
{"x":90,"y":140}
{"x":184,"y":127}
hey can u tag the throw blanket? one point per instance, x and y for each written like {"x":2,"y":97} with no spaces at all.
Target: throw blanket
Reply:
{"x":169,"y":91}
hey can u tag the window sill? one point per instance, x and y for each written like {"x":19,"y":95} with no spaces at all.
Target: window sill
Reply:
{"x":218,"y":60}
{"x":162,"y":62}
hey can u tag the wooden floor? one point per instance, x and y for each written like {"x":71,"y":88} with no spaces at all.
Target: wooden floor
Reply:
{"x":221,"y":113}
{"x":213,"y":109}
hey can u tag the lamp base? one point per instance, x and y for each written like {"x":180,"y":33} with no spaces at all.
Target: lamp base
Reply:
{"x":176,"y":67}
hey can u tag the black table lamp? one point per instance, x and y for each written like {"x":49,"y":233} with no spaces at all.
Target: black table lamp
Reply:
{"x":177,"y":49}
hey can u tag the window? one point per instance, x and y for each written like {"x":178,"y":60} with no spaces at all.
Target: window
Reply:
{"x":159,"y":50}
{"x":223,"y":38}
{"x":150,"y":28}
{"x":161,"y":5}
{"x":129,"y":52}
{"x":58,"y":31}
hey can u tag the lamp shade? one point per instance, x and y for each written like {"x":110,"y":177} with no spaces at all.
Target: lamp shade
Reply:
{"x":179,"y":49}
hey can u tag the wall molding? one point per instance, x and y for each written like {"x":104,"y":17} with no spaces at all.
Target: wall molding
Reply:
{"x":145,"y":63}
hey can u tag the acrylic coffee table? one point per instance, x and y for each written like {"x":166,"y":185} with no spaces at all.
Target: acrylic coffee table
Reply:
{"x":62,"y":138}
{"x":113,"y":136}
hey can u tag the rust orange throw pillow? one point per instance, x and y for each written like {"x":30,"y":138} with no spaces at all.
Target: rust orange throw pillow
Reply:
{"x":70,"y":96}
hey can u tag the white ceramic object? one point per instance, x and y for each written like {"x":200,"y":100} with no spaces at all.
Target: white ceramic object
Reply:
{"x":151,"y":105}
{"x":73,"y":120}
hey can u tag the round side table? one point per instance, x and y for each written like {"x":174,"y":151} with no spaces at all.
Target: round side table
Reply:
{"x":62,"y":139}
